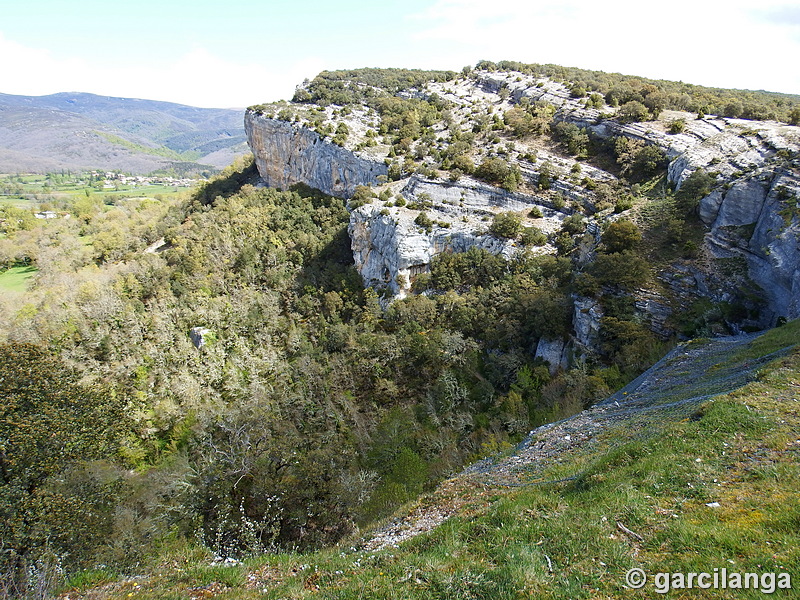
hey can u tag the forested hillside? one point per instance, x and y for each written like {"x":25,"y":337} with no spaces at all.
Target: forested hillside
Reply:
{"x":226,"y":372}
{"x":308,"y":409}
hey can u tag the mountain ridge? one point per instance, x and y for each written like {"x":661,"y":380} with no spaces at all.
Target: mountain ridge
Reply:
{"x":56,"y":131}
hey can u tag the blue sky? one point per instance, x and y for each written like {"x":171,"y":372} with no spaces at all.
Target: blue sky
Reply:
{"x":235,"y":53}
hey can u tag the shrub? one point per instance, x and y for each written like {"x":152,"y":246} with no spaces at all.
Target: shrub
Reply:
{"x":496,"y":170}
{"x":620,"y":236}
{"x":544,"y":176}
{"x":533,"y":236}
{"x":505,"y":225}
{"x":633,"y":112}
{"x":698,"y":185}
{"x":624,"y":269}
{"x":424,"y":221}
{"x":623,"y":204}
{"x":677,"y":126}
{"x":53,"y":504}
{"x":573,"y":224}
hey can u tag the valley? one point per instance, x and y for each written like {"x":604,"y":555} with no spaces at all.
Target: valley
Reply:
{"x":508,"y":331}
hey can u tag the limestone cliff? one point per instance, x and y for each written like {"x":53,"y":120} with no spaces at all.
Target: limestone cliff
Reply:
{"x":287,"y":154}
{"x":390,"y":249}
{"x":756,"y":219}
{"x":752,"y":213}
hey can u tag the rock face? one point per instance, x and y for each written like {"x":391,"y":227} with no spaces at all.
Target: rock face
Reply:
{"x":198,"y":336}
{"x":390,"y":249}
{"x":752,"y":214}
{"x":586,"y":322}
{"x":554,"y":352}
{"x":287,"y":154}
{"x":758,"y":219}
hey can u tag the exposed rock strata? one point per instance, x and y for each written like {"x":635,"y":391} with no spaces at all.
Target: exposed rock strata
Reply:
{"x":757,"y":220}
{"x":287,"y":154}
{"x":751,"y":214}
{"x":390,"y":249}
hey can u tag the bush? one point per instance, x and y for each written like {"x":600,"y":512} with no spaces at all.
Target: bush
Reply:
{"x":620,"y":236}
{"x":545,"y":177}
{"x":362,"y":195}
{"x":505,"y":225}
{"x":623,"y":204}
{"x":677,"y":126}
{"x":633,"y":112}
{"x":424,"y":221}
{"x":533,"y":236}
{"x":624,"y":269}
{"x":696,"y":187}
{"x":573,"y":224}
{"x":575,"y":139}
{"x":52,"y":503}
{"x":499,"y":172}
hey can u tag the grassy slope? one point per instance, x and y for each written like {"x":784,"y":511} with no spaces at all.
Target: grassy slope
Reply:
{"x":565,"y":540}
{"x":16,"y":279}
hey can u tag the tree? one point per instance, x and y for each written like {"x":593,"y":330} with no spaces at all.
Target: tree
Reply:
{"x":638,"y":160}
{"x":545,"y":177}
{"x":696,"y":187}
{"x":496,"y":170}
{"x":620,"y":236}
{"x":623,"y":269}
{"x":533,"y":236}
{"x":677,"y":126}
{"x":50,"y":424}
{"x":633,"y":112}
{"x":574,"y":138}
{"x":424,"y":221}
{"x":505,"y":225}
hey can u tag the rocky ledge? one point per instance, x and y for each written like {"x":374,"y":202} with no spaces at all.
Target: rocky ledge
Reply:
{"x":287,"y":154}
{"x":752,"y":213}
{"x":391,"y":248}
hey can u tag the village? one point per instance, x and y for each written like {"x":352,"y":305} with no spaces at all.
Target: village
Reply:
{"x":113,"y":180}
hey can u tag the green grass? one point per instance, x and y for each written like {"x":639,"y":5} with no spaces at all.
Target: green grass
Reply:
{"x":15,"y":201}
{"x":772,"y":341}
{"x":16,"y":279}
{"x":566,"y":540}
{"x":33,"y":185}
{"x":89,"y":578}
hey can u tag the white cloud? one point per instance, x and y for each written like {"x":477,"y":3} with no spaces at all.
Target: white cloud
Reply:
{"x":707,"y":43}
{"x":197,"y":78}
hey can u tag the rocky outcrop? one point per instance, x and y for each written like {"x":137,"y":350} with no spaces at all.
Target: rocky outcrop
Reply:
{"x":390,"y":249}
{"x":752,"y":214}
{"x":757,"y":219}
{"x":554,"y":352}
{"x":286,"y":154}
{"x":586,"y":322}
{"x":200,"y":336}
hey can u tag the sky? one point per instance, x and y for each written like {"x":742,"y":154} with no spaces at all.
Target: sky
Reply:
{"x":235,"y":53}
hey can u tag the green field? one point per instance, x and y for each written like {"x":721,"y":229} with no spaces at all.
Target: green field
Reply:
{"x":22,"y":191}
{"x":16,"y":279}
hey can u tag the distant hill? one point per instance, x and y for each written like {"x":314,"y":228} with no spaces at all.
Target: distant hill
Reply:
{"x":76,"y":130}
